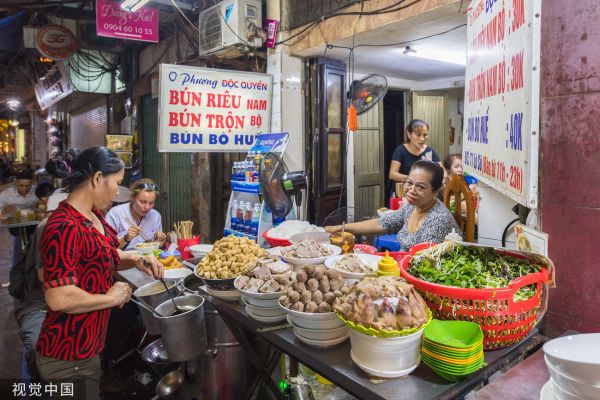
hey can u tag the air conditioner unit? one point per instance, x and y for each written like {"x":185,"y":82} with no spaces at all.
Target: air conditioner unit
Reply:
{"x":230,"y":28}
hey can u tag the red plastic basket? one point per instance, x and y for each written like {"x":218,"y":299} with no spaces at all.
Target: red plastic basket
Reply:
{"x":504,"y":321}
{"x":275,"y":242}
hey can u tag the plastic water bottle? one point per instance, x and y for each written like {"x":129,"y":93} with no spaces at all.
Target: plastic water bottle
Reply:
{"x":249,"y":171}
{"x":234,"y":209}
{"x":239,"y":216}
{"x":255,"y":220}
{"x":248,"y":218}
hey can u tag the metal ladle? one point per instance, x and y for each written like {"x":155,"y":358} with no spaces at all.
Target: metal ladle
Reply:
{"x":177,"y":309}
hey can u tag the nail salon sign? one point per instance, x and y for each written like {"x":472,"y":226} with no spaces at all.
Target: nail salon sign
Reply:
{"x":112,"y":21}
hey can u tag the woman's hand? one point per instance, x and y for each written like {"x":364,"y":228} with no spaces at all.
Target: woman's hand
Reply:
{"x":132,"y":232}
{"x":160,"y":237}
{"x":120,"y":293}
{"x":333,"y":228}
{"x":150,"y":266}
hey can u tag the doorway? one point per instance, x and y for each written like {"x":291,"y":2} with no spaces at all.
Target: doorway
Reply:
{"x":326,"y":137}
{"x":393,"y":132}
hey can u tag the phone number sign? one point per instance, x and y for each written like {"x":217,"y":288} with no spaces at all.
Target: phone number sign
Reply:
{"x":502,"y":92}
{"x":112,"y":21}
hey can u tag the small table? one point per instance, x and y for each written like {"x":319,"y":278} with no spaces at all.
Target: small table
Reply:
{"x":22,"y":230}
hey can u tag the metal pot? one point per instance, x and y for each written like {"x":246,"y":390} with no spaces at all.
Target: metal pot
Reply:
{"x":154,"y":294}
{"x":184,"y":335}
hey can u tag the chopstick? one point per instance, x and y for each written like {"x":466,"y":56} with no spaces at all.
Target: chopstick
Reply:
{"x":141,"y":232}
{"x":183,"y":229}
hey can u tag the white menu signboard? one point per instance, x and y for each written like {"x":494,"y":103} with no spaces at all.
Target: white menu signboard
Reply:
{"x":501,"y":134}
{"x":203,"y":109}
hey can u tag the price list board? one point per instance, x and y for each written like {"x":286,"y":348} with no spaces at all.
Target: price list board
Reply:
{"x":502,"y":96}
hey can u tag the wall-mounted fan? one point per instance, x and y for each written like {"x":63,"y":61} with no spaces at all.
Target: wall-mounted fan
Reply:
{"x":365,"y":93}
{"x":279,"y":186}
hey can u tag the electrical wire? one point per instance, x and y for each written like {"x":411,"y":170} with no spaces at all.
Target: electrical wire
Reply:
{"x":184,"y":16}
{"x":383,"y":10}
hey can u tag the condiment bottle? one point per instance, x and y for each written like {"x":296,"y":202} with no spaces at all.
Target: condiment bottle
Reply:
{"x":387,"y":266}
{"x":453,"y":237}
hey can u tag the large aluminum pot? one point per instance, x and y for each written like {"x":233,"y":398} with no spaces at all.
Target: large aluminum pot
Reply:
{"x":184,"y":335}
{"x":154,"y":294}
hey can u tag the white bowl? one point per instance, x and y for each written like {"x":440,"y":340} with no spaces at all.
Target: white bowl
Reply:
{"x":201,"y":248}
{"x":572,"y":385}
{"x":369,"y":259}
{"x":321,"y":334}
{"x":262,"y":296}
{"x":227,"y":295}
{"x":268,"y":320}
{"x":322,"y":237}
{"x":268,"y":303}
{"x":305,"y":261}
{"x":387,"y":354}
{"x":177,"y":273}
{"x":264,"y":311}
{"x":562,"y":394}
{"x":321,"y":343}
{"x":380,"y":373}
{"x":315,"y":324}
{"x":576,"y":356}
{"x":146,"y":248}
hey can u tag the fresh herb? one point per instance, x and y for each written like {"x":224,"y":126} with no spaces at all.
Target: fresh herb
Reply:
{"x":471,"y":267}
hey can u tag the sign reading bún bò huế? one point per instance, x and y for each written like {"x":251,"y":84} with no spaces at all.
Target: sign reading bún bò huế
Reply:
{"x":202,"y":109}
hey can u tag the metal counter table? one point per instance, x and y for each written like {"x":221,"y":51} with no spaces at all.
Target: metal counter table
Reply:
{"x":336,"y":365}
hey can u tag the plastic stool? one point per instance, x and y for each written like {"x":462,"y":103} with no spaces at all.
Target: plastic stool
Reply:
{"x":387,"y":242}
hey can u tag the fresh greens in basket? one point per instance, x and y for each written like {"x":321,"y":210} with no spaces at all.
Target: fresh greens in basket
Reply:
{"x":474,"y":267}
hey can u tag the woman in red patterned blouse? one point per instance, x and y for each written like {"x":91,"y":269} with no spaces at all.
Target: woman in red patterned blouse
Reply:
{"x":79,"y":254}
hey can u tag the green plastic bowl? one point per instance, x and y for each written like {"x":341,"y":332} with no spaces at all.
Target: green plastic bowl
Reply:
{"x":459,"y":334}
{"x":448,"y":376}
{"x":454,"y":369}
{"x":459,"y":355}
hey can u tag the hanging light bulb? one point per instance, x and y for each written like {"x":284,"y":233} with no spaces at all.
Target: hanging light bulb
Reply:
{"x":13,"y":104}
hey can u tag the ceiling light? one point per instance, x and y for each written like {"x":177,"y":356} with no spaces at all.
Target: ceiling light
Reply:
{"x":13,"y":104}
{"x":437,"y":54}
{"x":408,"y":50}
{"x":133,"y":5}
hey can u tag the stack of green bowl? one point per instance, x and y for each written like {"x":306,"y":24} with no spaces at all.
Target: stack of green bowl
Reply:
{"x":452,"y":349}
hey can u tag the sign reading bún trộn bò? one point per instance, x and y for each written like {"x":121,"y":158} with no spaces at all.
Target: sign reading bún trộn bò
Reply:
{"x":202,"y":109}
{"x":501,"y":128}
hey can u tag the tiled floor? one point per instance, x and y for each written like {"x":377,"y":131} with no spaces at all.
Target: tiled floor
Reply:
{"x":10,"y":343}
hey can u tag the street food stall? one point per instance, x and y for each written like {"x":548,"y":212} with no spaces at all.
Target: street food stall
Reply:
{"x":350,"y":317}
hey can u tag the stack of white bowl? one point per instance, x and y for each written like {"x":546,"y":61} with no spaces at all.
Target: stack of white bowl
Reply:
{"x":317,"y":329}
{"x":200,"y":250}
{"x":263,"y":307}
{"x":574,"y":366}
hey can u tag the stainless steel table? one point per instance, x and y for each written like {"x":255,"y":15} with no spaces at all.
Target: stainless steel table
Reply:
{"x":336,"y":365}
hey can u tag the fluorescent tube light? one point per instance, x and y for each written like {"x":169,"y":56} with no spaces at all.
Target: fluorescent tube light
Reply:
{"x":133,"y":5}
{"x":436,"y":54}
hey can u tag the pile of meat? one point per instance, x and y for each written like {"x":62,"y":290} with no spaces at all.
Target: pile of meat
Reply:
{"x":352,"y":263}
{"x":266,"y":275}
{"x":307,"y":249}
{"x":384,"y":303}
{"x":315,"y":289}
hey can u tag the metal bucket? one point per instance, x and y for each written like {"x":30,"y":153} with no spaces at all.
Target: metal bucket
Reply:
{"x":154,"y":294}
{"x":184,"y":335}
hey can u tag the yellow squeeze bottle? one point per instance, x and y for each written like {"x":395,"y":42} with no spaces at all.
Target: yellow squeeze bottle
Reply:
{"x":387,"y":266}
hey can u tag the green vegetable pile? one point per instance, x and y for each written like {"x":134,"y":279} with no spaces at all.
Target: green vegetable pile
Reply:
{"x":471,"y":267}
